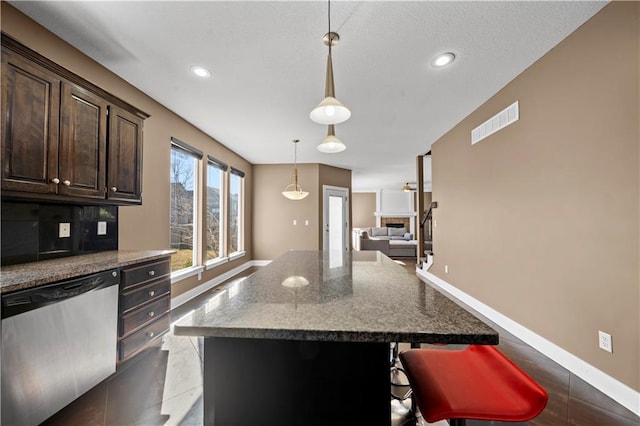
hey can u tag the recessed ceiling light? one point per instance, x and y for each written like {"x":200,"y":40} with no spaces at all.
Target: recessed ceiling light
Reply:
{"x":200,"y":71}
{"x":443,"y":59}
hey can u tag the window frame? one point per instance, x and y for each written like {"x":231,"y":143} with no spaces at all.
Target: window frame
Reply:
{"x":221,"y":167}
{"x":240,"y":214}
{"x":196,"y":243}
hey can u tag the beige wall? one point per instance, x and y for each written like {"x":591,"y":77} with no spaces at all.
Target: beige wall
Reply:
{"x":146,"y":226}
{"x":364,"y":207}
{"x":541,"y":220}
{"x":273,"y":230}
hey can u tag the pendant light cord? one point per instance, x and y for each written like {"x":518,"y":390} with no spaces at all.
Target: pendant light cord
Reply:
{"x":295,"y":164}
{"x":329,"y":19}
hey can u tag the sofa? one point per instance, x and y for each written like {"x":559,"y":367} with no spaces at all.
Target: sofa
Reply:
{"x":394,"y":242}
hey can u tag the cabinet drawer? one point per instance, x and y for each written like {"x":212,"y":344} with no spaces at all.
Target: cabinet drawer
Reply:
{"x":132,"y":344}
{"x":145,"y":272}
{"x":139,"y":295}
{"x":144,"y":314}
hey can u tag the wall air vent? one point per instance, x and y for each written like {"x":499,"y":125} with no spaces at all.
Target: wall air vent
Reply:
{"x":499,"y":121}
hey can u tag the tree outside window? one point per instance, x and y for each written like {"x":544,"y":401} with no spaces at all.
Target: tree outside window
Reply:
{"x":215,"y":206}
{"x":183,"y":182}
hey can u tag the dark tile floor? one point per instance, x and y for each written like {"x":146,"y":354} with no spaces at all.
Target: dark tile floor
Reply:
{"x":163,"y":386}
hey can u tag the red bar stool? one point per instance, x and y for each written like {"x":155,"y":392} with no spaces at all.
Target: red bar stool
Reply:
{"x":478,"y":382}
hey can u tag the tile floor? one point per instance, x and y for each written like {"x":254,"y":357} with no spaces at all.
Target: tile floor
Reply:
{"x":163,"y":386}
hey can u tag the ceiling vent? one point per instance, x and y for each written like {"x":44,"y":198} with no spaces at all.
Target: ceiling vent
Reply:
{"x":499,"y":121}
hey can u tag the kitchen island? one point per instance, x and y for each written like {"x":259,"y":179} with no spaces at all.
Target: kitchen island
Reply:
{"x":305,"y":340}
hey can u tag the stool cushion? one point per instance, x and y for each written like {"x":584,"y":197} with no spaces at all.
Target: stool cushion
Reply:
{"x":478,"y":382}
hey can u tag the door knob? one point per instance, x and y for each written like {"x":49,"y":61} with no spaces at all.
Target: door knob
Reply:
{"x":55,"y":180}
{"x":114,"y":189}
{"x":66,"y":183}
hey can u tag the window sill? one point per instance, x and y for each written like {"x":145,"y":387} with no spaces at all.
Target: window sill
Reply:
{"x":216,"y":262}
{"x":237,"y":255}
{"x":186,"y":273}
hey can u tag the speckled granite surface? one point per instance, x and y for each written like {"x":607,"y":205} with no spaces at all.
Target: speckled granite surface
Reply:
{"x":361,"y":296}
{"x":28,"y":275}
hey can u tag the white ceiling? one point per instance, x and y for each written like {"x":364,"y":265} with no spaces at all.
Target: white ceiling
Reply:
{"x":268,"y":63}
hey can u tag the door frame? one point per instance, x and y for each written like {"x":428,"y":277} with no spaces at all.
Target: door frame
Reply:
{"x":327,"y":191}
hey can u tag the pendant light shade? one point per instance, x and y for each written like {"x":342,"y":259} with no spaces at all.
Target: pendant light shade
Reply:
{"x":330,"y":110}
{"x":294,"y":191}
{"x":331,"y":144}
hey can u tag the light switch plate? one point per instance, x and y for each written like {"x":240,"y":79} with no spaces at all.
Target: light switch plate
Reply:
{"x":64,"y":230}
{"x":102,"y":228}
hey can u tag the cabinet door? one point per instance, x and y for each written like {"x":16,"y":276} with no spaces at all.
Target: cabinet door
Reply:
{"x":30,"y":103}
{"x":83,"y":147}
{"x":124,"y":176}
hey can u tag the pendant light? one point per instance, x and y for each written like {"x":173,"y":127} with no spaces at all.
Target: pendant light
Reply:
{"x":331,"y":144}
{"x":330,"y":110}
{"x":293,"y":191}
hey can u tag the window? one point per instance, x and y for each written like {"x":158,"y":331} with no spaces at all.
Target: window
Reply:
{"x":215,"y":206}
{"x":184,"y":204}
{"x":236,"y":183}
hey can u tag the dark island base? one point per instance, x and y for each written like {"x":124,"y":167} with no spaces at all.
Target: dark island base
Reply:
{"x":284,"y":382}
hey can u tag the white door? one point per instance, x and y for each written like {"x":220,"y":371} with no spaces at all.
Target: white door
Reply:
{"x":335,"y":218}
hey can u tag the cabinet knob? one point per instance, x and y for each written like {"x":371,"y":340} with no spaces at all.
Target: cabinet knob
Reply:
{"x":55,"y":180}
{"x":150,"y":334}
{"x":114,"y":273}
{"x":114,"y":189}
{"x":152,"y":293}
{"x":151,"y":314}
{"x":66,"y":183}
{"x":152,"y":272}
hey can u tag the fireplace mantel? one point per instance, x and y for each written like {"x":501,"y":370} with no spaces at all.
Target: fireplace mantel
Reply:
{"x":395,"y":214}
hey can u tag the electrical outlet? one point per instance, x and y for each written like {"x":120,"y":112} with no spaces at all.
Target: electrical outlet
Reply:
{"x":102,"y":228}
{"x":306,"y":222}
{"x":446,"y":269}
{"x":295,"y":222}
{"x":64,"y":230}
{"x":605,"y":342}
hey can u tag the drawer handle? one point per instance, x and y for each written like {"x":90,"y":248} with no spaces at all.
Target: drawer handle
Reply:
{"x":55,"y":180}
{"x":150,"y":334}
{"x":114,"y":189}
{"x":66,"y":183}
{"x":152,"y":293}
{"x":151,"y":314}
{"x":152,"y":272}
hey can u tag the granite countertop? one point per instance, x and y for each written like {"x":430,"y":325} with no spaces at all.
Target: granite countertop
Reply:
{"x":360,"y":296}
{"x":28,"y":275}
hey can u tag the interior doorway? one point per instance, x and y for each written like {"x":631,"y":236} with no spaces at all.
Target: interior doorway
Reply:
{"x":335,"y":218}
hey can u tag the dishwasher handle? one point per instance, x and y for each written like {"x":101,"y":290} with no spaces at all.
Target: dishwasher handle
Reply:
{"x":26,"y":300}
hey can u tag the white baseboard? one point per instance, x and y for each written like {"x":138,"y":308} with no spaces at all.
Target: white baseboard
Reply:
{"x":196,"y":291}
{"x":621,"y":393}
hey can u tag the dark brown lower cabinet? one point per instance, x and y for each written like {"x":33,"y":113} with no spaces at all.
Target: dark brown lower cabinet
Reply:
{"x":144,"y":306}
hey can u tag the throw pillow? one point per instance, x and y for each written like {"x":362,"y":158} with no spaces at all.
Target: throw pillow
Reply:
{"x":364,"y":235}
{"x":397,"y":232}
{"x":379,"y":232}
{"x":408,"y":236}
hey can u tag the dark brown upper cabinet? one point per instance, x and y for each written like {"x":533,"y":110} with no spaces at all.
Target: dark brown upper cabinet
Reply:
{"x":31,"y":106}
{"x":64,"y":139}
{"x":124,"y":168}
{"x":83,"y":143}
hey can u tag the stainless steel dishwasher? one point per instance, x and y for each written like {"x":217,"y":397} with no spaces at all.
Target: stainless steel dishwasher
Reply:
{"x":58,"y":341}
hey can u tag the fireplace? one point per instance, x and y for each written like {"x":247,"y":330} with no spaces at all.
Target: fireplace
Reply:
{"x":396,"y":222}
